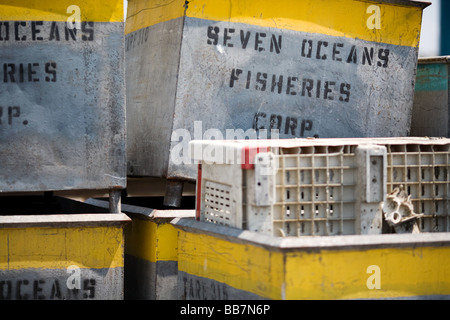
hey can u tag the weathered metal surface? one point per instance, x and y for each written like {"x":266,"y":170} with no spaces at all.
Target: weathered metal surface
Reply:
{"x":62,"y":257}
{"x":151,"y":261}
{"x":174,"y":193}
{"x":151,"y":255}
{"x":310,"y":68}
{"x":221,"y":263}
{"x":431,"y":111}
{"x":62,"y":109}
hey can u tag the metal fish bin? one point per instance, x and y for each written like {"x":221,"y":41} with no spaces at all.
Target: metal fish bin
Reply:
{"x":430,"y":116}
{"x":233,"y":69}
{"x":223,"y":263}
{"x":150,"y":253}
{"x":60,"y":250}
{"x":62,"y":105}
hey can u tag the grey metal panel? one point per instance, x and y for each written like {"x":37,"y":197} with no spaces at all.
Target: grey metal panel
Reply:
{"x":146,"y":280}
{"x":347,"y":94}
{"x":62,"y":115}
{"x":152,"y":69}
{"x":52,"y":284}
{"x":191,"y":287}
{"x":431,"y":110}
{"x":206,"y":92}
{"x":430,"y":114}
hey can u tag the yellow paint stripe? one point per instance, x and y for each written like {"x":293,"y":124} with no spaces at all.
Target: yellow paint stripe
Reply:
{"x":328,"y":274}
{"x":167,"y":249}
{"x":400,"y":24}
{"x":50,"y":10}
{"x":140,"y":240}
{"x":245,"y":267}
{"x":151,"y":241}
{"x":343,"y":274}
{"x":56,"y":248}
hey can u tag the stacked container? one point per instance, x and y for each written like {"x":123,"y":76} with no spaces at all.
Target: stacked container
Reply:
{"x":62,"y":128}
{"x":62,"y":113}
{"x":232,"y":69}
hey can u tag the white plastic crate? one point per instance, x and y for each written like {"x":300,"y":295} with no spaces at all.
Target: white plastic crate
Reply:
{"x":319,"y":190}
{"x":320,"y":186}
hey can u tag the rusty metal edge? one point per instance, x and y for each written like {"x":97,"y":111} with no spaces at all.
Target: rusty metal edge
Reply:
{"x":430,"y":60}
{"x":414,"y":3}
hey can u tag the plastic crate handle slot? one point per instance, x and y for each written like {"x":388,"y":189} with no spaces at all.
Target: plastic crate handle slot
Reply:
{"x":265,"y":169}
{"x":248,"y":155}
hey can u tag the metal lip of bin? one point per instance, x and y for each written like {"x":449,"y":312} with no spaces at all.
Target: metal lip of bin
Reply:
{"x":313,"y":243}
{"x":421,"y":4}
{"x":146,"y":213}
{"x":65,"y":220}
{"x":437,"y":59}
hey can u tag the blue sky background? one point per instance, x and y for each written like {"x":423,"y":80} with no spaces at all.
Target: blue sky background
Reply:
{"x":429,"y":40}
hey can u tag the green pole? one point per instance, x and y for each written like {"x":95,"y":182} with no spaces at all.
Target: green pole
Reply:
{"x":445,"y":28}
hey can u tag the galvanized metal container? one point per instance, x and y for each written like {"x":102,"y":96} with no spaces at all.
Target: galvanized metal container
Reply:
{"x":151,"y":256}
{"x":227,"y":69}
{"x":62,"y":109}
{"x":75,"y":256}
{"x":224,"y":263}
{"x":431,"y":111}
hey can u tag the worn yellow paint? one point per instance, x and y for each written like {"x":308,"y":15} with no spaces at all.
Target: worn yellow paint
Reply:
{"x":57,"y":248}
{"x":400,"y":24}
{"x":326,"y":274}
{"x":151,"y":241}
{"x":242,"y":266}
{"x":50,"y":10}
{"x":342,"y":274}
{"x":144,"y":13}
